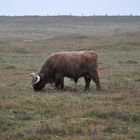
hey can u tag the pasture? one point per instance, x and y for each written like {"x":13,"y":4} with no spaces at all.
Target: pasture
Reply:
{"x":71,"y":114}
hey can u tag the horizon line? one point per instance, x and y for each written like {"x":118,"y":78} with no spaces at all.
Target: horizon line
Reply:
{"x":71,"y":15}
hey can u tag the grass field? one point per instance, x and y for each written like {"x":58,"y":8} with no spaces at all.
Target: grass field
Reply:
{"x":72,"y":114}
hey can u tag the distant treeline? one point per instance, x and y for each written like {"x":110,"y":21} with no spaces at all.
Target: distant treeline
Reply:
{"x":59,"y":14}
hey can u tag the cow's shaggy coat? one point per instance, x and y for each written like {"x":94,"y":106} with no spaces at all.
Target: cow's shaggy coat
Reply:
{"x":73,"y":64}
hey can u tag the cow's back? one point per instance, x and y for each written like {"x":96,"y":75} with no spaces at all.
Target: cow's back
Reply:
{"x":75,"y":63}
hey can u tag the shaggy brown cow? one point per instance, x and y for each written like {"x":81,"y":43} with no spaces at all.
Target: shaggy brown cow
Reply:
{"x":73,"y":64}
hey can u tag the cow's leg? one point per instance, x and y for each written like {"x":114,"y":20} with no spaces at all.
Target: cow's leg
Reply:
{"x":62,"y":84}
{"x":87,"y":81}
{"x":95,"y":77}
{"x":59,"y":82}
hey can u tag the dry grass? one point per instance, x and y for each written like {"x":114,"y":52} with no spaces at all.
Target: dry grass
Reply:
{"x":72,"y":114}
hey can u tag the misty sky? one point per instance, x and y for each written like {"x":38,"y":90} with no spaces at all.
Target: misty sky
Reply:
{"x":65,"y":7}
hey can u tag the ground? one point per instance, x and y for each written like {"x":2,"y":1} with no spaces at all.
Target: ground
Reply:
{"x":72,"y":114}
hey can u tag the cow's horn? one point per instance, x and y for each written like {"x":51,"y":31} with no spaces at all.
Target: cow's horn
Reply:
{"x":35,"y":76}
{"x":32,"y":74}
{"x":38,"y":79}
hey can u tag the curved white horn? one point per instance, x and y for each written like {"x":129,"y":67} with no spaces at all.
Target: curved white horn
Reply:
{"x":32,"y":74}
{"x":38,"y":79}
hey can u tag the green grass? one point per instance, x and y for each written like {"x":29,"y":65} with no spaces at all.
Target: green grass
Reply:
{"x":72,"y":114}
{"x":69,"y":115}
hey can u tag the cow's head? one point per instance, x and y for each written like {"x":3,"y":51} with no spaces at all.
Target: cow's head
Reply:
{"x":39,"y":81}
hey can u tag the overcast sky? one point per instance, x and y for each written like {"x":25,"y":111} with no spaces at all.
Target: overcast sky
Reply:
{"x":65,"y":7}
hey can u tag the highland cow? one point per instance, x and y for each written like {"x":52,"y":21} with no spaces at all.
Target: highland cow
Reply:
{"x":74,"y":64}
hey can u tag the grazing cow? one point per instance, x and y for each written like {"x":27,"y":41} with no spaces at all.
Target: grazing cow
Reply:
{"x":74,"y":64}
